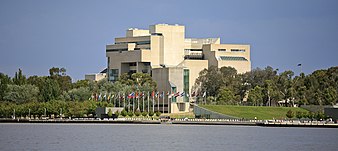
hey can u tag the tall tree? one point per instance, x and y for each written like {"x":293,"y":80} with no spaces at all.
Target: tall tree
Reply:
{"x":50,"y":90}
{"x":4,"y":81}
{"x":19,"y":78}
{"x":21,"y":93}
{"x":256,"y":96}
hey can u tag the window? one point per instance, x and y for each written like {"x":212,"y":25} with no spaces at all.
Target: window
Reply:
{"x":193,"y":50}
{"x":232,"y":58}
{"x":222,"y":50}
{"x":142,"y":42}
{"x":116,"y":50}
{"x":181,"y":106}
{"x":132,"y":64}
{"x":186,"y":84}
{"x":237,"y":50}
{"x":113,"y":74}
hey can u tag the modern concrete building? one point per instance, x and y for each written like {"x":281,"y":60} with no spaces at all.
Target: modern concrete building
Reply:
{"x":173,"y":60}
{"x":96,"y":76}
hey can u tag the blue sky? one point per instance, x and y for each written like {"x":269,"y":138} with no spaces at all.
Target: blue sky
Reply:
{"x":37,"y":35}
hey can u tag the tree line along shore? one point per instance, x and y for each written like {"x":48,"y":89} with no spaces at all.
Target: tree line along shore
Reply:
{"x":56,"y":93}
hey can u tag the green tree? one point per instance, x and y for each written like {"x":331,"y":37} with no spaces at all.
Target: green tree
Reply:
{"x":4,"y":81}
{"x":284,"y":84}
{"x":79,"y":94}
{"x":90,"y":107}
{"x":330,"y":96}
{"x":110,"y":113}
{"x":256,"y":96}
{"x":23,"y":93}
{"x":138,"y":80}
{"x":50,"y":90}
{"x":19,"y":78}
{"x":226,"y":97}
{"x":81,"y":83}
{"x":59,"y":74}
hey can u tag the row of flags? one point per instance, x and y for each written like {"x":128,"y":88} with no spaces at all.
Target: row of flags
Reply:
{"x":132,"y":95}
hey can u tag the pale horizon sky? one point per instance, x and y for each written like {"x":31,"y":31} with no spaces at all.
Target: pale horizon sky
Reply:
{"x":36,"y":35}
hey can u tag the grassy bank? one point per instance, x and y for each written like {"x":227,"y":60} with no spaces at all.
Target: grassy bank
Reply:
{"x":250,"y":112}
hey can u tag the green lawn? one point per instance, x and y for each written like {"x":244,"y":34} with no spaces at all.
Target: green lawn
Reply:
{"x":250,"y":112}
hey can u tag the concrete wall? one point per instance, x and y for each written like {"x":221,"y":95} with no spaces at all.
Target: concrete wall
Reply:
{"x":95,"y":77}
{"x":134,"y":32}
{"x":212,"y":54}
{"x":173,"y":40}
{"x":332,"y":112}
{"x":205,"y":113}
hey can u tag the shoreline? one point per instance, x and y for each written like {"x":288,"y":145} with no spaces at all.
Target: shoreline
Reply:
{"x":175,"y":122}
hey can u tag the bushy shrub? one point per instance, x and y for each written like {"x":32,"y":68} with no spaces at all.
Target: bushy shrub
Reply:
{"x":144,"y":113}
{"x":151,"y":113}
{"x":158,"y":113}
{"x":124,"y":113}
{"x":130,"y":114}
{"x":138,"y":113}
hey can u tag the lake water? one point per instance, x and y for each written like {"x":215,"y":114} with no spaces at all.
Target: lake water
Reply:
{"x":126,"y":137}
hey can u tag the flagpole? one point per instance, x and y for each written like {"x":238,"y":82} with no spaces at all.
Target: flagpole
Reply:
{"x":169,"y":102}
{"x":119,"y":100}
{"x":109,"y":99}
{"x":129,"y":104}
{"x":148,"y":102}
{"x":158,"y":101}
{"x":138,"y":102}
{"x":163,"y":102}
{"x":133,"y":103}
{"x":124,"y":101}
{"x":142,"y":101}
{"x":153,"y":103}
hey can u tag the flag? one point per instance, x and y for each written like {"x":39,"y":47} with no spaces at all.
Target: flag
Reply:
{"x":156,"y":94}
{"x":204,"y":94}
{"x":108,"y":96}
{"x":95,"y":96}
{"x":162,"y":94}
{"x":299,"y":64}
{"x":153,"y":94}
{"x":99,"y":97}
{"x":193,"y":94}
{"x":131,"y":95}
{"x":177,"y":94}
{"x":136,"y":94}
{"x":105,"y":96}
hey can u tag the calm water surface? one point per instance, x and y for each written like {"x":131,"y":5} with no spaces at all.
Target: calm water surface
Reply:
{"x":163,"y":137}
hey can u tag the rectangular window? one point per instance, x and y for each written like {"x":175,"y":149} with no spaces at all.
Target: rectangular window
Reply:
{"x":142,"y":42}
{"x":232,"y":58}
{"x":222,"y":50}
{"x":116,"y":50}
{"x":186,"y":84}
{"x":237,"y":50}
{"x":113,"y":75}
{"x":181,"y":106}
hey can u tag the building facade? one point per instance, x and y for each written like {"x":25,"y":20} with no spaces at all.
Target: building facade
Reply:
{"x":173,"y":61}
{"x":96,"y":76}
